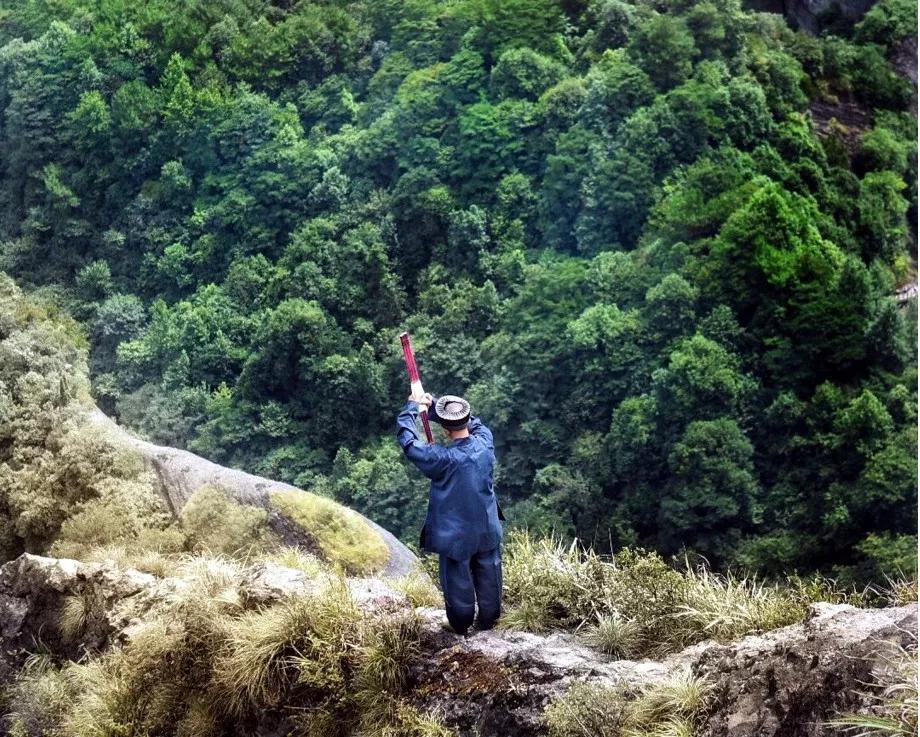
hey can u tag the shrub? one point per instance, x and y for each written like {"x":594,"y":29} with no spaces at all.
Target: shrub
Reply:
{"x":341,"y":536}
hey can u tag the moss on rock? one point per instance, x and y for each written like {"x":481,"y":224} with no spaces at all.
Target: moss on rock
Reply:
{"x":342,"y":537}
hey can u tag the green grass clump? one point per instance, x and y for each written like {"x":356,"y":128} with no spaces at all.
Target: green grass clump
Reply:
{"x":672,"y":708}
{"x":613,"y":635}
{"x":216,"y":523}
{"x":635,"y":604}
{"x":341,"y":535}
{"x":548,"y":584}
{"x":725,"y":607}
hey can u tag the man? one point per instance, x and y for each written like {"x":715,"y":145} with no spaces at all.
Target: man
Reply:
{"x":463,"y":524}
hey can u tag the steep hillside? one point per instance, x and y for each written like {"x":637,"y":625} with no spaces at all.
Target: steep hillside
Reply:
{"x":207,"y":602}
{"x":655,"y":242}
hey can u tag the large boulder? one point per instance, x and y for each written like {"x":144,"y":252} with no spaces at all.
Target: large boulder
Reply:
{"x":180,"y":474}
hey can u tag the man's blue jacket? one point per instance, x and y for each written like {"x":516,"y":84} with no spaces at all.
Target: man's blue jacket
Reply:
{"x":463,"y":515}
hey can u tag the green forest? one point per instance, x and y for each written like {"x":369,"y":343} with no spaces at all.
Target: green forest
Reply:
{"x":621,"y":228}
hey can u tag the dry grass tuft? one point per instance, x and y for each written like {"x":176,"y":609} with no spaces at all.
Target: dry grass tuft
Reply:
{"x":419,"y":589}
{"x":901,"y":591}
{"x":38,"y":700}
{"x":298,"y":559}
{"x":894,"y":696}
{"x":73,"y":617}
{"x":671,"y":708}
{"x":638,"y":605}
{"x":726,"y":607}
{"x":253,"y":665}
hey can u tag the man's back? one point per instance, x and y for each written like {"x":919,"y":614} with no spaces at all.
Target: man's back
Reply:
{"x":462,"y":508}
{"x":463,"y":516}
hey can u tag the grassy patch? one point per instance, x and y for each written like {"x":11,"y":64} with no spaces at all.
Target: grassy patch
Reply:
{"x":635,"y":604}
{"x":205,"y":662}
{"x":341,"y":535}
{"x":419,"y":589}
{"x":672,"y":708}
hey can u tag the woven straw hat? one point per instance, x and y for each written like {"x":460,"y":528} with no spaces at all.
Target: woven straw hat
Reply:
{"x":452,"y":412}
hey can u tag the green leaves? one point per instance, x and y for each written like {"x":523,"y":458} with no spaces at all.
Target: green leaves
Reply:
{"x":630,"y":232}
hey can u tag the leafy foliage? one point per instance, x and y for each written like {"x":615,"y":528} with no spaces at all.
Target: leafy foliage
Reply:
{"x":613,"y":225}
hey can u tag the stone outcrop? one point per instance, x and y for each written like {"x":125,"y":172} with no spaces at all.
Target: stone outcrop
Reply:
{"x":180,"y":474}
{"x":809,"y":14}
{"x":783,"y":683}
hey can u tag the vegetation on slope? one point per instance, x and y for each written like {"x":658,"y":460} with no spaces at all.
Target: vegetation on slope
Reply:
{"x":341,"y":535}
{"x":611,"y":223}
{"x":637,"y":605}
{"x":205,"y":664}
{"x":68,"y":490}
{"x":210,"y":659}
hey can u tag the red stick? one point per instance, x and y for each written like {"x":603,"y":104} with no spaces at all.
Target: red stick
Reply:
{"x":415,"y":381}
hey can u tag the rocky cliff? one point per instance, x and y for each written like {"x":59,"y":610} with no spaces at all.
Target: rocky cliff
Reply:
{"x":808,"y":14}
{"x":778,"y":684}
{"x":180,"y":474}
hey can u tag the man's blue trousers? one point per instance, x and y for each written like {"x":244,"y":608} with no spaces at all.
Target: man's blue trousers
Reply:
{"x":465,"y":583}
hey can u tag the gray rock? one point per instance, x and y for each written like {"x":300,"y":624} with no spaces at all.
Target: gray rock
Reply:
{"x":180,"y":474}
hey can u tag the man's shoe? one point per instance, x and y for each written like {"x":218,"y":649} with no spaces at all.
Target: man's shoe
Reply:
{"x":446,"y":626}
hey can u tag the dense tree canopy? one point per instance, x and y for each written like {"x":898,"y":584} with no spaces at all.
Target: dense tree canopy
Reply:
{"x":613,"y":224}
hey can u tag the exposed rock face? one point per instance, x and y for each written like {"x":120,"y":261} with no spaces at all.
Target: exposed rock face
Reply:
{"x":807,"y":14}
{"x":783,"y":683}
{"x":180,"y":474}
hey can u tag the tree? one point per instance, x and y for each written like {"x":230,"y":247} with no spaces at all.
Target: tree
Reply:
{"x":702,"y":380}
{"x":881,"y":214}
{"x":708,"y":505}
{"x":615,"y":88}
{"x":523,"y":73}
{"x":663,"y":46}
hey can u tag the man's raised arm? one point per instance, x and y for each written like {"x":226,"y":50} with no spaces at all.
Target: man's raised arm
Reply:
{"x":431,"y":460}
{"x":479,"y":430}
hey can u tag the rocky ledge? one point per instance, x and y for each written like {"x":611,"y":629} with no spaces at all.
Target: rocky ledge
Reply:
{"x":782,"y":683}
